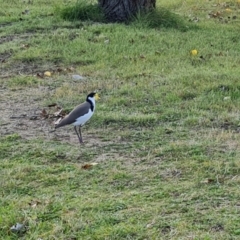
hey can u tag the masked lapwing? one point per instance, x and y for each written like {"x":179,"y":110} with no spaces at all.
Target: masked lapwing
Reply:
{"x":80,"y":115}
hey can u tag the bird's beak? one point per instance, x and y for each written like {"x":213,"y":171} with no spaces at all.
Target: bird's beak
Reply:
{"x":96,"y":96}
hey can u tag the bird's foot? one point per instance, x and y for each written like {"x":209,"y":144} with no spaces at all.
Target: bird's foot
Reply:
{"x":81,"y":141}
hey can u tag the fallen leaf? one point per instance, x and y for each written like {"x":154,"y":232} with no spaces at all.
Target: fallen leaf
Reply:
{"x":24,"y":46}
{"x":168,"y":131}
{"x":58,"y":113}
{"x":70,"y":69}
{"x":88,"y":165}
{"x":215,"y":14}
{"x":207,"y":181}
{"x":150,"y":225}
{"x":58,"y":121}
{"x":60,"y":70}
{"x":34,"y":203}
{"x":94,"y":163}
{"x":44,"y":113}
{"x":228,"y":10}
{"x":39,"y":75}
{"x":47,"y":74}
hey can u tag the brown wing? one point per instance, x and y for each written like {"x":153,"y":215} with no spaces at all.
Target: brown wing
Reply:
{"x":78,"y":111}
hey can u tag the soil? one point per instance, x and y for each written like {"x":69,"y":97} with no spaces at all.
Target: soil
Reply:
{"x":22,"y":113}
{"x":21,"y":109}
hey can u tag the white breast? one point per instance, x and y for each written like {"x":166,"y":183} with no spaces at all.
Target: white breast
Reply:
{"x":83,"y":119}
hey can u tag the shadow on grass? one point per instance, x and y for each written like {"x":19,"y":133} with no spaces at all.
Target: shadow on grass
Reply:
{"x":162,"y":18}
{"x":159,"y":18}
{"x":82,"y":11}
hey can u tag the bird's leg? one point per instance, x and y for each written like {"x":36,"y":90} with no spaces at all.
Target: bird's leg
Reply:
{"x":80,"y":133}
{"x":79,"y":138}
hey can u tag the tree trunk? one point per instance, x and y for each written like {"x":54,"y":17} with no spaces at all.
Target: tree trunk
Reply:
{"x":123,"y":10}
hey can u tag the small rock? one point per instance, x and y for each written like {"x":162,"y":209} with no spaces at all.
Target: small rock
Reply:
{"x":77,"y":77}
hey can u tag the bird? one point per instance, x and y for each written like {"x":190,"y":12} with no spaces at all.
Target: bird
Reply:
{"x":80,"y":115}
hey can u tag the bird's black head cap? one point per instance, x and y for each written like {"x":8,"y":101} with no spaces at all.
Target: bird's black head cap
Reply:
{"x":91,"y":95}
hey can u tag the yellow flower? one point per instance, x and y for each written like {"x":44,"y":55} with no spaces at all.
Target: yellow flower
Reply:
{"x":194,"y":52}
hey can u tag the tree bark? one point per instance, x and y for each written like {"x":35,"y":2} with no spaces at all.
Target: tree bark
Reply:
{"x":123,"y":10}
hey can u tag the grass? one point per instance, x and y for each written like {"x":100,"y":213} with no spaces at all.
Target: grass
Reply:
{"x":165,"y":133}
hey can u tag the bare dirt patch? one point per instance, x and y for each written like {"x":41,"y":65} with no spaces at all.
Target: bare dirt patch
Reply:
{"x":5,"y":55}
{"x":21,"y":107}
{"x":26,"y":68}
{"x":21,"y":111}
{"x":6,"y":39}
{"x":13,"y":37}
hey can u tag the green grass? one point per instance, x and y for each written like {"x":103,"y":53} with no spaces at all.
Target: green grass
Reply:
{"x":86,"y":11}
{"x":165,"y":133}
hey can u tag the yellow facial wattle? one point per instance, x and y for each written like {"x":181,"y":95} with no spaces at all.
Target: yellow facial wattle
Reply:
{"x":96,"y":96}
